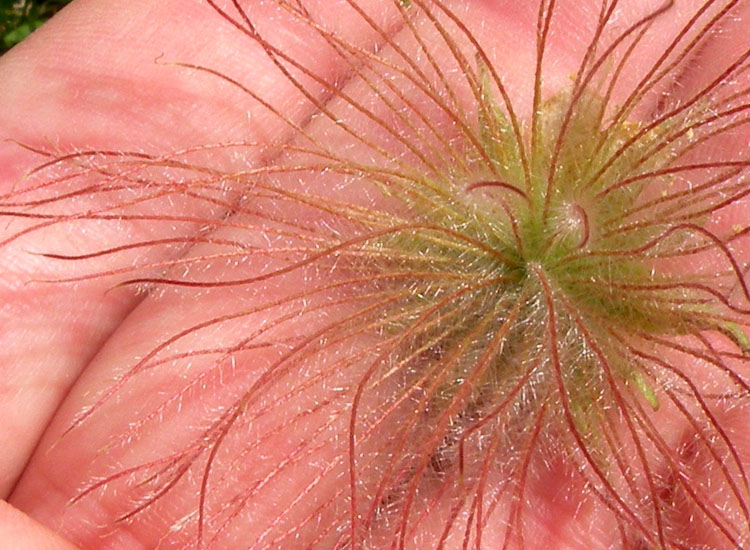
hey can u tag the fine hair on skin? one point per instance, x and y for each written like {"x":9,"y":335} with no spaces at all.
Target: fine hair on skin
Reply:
{"x":468,"y":297}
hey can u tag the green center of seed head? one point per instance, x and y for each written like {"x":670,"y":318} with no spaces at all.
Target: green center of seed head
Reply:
{"x":589,"y":234}
{"x":570,"y":231}
{"x":520,"y":239}
{"x":570,"y":228}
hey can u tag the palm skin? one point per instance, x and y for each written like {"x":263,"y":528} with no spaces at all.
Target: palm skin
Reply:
{"x":84,"y":82}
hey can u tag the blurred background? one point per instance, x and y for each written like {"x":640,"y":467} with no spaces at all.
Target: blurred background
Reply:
{"x":19,"y":18}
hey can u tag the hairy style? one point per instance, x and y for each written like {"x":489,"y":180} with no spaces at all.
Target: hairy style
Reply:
{"x":473,"y":294}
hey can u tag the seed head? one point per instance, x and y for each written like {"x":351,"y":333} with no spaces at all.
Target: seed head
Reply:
{"x":445,"y":300}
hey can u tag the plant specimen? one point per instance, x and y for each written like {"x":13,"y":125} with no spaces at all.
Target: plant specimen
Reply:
{"x":457,"y":297}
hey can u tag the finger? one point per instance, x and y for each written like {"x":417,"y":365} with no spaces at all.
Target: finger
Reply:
{"x":17,"y":530}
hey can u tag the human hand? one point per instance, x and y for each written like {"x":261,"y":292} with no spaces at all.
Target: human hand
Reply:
{"x":230,"y":378}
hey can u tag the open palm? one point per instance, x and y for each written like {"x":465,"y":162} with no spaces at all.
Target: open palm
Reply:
{"x":189,"y":357}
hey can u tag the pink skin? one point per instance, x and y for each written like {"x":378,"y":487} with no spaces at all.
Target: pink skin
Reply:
{"x":84,"y":81}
